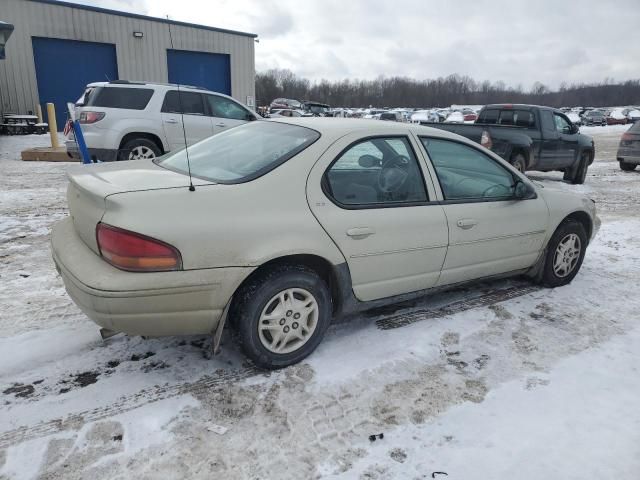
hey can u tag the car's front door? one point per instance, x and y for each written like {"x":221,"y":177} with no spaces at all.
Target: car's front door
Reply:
{"x":226,"y":113}
{"x":567,"y":141}
{"x":197,"y":125}
{"x":490,"y":231}
{"x":370,"y":196}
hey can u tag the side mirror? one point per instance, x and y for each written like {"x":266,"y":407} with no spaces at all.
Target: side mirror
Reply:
{"x":368,"y":161}
{"x":521,"y":190}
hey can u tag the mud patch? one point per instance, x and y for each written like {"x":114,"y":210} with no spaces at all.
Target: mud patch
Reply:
{"x":501,"y":312}
{"x":154,"y":366}
{"x":481,"y":362}
{"x":86,"y":378}
{"x":398,"y":455}
{"x":20,"y":390}
{"x":475,"y":391}
{"x":137,"y":357}
{"x":535,"y":382}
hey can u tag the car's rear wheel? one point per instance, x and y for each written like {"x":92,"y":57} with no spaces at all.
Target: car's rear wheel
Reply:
{"x":565,"y":253}
{"x":138,"y":149}
{"x":518,"y":162}
{"x":281,"y":315}
{"x":627,"y":167}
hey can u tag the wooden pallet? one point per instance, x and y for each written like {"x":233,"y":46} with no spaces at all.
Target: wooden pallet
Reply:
{"x":47,"y":154}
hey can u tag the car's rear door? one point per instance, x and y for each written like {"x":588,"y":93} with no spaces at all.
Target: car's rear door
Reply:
{"x":490,"y":232}
{"x":197,"y":124}
{"x":226,"y":113}
{"x":370,"y":196}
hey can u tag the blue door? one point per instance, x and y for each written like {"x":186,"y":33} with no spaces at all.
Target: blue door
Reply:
{"x":200,"y":69}
{"x":65,"y":67}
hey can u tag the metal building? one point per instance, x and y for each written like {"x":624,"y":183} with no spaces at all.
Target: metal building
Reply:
{"x":58,"y":47}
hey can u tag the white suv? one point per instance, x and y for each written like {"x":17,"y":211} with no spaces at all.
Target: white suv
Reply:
{"x":124,"y":120}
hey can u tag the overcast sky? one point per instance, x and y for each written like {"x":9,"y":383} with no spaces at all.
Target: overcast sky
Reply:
{"x":517,"y":42}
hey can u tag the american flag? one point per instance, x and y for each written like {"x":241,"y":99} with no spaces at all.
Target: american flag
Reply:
{"x":67,"y":127}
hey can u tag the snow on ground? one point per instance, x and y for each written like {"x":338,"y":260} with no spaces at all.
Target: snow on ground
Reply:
{"x":500,"y":380}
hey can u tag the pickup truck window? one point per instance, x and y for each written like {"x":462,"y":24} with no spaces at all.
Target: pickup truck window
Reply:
{"x":489,"y":116}
{"x":547,"y":121}
{"x":466,"y":173}
{"x":562,"y":125}
{"x":506,"y":117}
{"x":525,"y":118}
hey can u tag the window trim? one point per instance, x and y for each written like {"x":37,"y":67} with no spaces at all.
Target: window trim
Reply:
{"x":326,"y":188}
{"x":444,"y":200}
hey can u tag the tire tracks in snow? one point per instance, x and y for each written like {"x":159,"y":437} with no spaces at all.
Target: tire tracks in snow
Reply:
{"x":224,"y":378}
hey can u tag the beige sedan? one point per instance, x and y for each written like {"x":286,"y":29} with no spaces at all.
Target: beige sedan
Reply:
{"x":292,"y":223}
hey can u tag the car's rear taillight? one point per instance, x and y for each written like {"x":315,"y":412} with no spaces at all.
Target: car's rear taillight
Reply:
{"x":134,"y":252}
{"x":627,"y":137}
{"x":485,"y":139}
{"x":91,"y":117}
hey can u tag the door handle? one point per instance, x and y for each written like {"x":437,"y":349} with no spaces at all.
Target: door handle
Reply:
{"x":221,"y":124}
{"x":171,"y":120}
{"x":467,"y":223}
{"x":360,"y":232}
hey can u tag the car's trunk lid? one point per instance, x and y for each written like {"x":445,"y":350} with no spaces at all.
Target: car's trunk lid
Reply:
{"x":91,"y":185}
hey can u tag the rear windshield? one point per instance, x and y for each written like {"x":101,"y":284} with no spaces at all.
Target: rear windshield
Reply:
{"x":116,"y":97}
{"x":242,"y":153}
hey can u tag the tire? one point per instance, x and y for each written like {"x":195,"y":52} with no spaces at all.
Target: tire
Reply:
{"x":258,"y":305}
{"x":627,"y":167}
{"x":578,"y":176}
{"x":518,"y":162}
{"x":139,"y":148}
{"x":561,"y":268}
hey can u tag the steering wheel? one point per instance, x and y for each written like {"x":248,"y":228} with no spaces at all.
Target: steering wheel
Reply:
{"x":394,"y":174}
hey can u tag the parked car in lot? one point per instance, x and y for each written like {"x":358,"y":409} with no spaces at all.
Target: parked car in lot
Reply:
{"x":617,"y":117}
{"x":124,"y":120}
{"x":594,"y":117}
{"x":298,"y":221}
{"x":455,"y":117}
{"x":574,"y":118}
{"x":633,"y":115}
{"x":469,"y":115}
{"x":629,"y":148}
{"x":530,"y":138}
{"x":391,"y":116}
{"x":285,"y":103}
{"x":286,"y":112}
{"x":316,"y":109}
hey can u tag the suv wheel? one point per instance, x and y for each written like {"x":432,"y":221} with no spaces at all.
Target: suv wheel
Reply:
{"x":565,"y":252}
{"x":138,"y":149}
{"x":282,"y":315}
{"x":627,"y":167}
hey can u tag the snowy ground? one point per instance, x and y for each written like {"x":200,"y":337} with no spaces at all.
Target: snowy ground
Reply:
{"x":500,"y":381}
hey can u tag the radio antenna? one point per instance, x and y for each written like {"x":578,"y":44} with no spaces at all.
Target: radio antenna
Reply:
{"x":184,"y":132}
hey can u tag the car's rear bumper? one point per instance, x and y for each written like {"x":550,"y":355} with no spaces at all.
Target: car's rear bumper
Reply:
{"x":96,"y":154}
{"x":151,"y":304}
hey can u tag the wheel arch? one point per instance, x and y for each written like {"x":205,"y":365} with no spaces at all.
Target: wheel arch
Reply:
{"x":581,"y":217}
{"x":146,"y":135}
{"x":333,"y":275}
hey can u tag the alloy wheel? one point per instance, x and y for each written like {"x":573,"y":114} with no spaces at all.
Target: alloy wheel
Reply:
{"x":288,"y":320}
{"x":567,"y":255}
{"x":141,"y":152}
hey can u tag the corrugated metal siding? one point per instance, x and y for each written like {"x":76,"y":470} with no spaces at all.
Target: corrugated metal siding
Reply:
{"x":138,"y":59}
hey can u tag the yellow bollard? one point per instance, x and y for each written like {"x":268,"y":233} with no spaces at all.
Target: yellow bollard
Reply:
{"x":53,"y":125}
{"x":39,"y":113}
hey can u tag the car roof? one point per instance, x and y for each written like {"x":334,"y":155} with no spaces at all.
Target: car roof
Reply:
{"x":337,"y":127}
{"x":128,"y":83}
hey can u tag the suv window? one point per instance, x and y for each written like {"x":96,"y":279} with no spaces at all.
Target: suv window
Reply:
{"x":376,"y":172}
{"x":466,"y":173}
{"x":562,"y":125}
{"x":191,"y":102}
{"x":225,"y":108}
{"x":117,"y":97}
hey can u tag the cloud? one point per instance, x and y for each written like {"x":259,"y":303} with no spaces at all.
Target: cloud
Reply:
{"x":516,"y":42}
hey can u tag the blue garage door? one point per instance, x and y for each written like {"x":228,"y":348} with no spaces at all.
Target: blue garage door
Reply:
{"x":65,"y":67}
{"x":200,"y":69}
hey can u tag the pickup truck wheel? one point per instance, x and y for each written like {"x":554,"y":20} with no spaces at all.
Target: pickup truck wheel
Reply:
{"x":565,"y":253}
{"x":627,"y":167}
{"x":578,"y":176}
{"x":138,"y":149}
{"x":281,"y":315}
{"x":518,"y":162}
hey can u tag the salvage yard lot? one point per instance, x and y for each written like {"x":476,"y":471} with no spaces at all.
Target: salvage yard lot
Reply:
{"x":501,"y":380}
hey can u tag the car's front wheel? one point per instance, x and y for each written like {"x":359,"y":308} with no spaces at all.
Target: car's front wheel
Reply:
{"x":565,"y":253}
{"x":281,"y":315}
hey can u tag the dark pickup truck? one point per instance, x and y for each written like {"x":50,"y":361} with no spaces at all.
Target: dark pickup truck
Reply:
{"x":530,"y":138}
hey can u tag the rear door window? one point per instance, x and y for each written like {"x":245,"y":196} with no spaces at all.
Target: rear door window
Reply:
{"x":524,"y":118}
{"x":191,"y":102}
{"x":506,"y":117}
{"x":117,"y":97}
{"x":489,"y":116}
